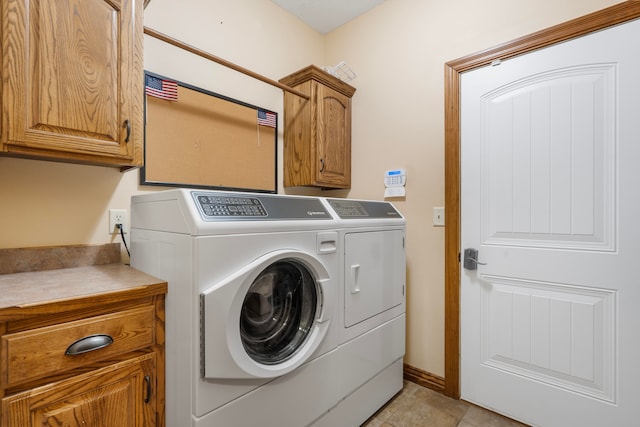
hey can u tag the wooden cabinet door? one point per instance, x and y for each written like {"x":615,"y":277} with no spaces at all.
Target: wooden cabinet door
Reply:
{"x":317,"y":133}
{"x":120,"y":395}
{"x":333,"y":139}
{"x":72,"y":80}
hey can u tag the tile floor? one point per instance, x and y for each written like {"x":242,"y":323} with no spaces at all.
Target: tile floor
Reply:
{"x":417,"y":406}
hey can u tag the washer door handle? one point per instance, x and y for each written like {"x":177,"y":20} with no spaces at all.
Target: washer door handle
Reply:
{"x":355,"y":285}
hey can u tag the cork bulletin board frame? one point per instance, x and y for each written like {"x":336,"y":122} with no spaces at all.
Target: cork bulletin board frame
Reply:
{"x":206,"y":140}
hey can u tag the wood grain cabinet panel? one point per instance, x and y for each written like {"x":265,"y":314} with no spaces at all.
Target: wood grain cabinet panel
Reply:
{"x":42,"y":351}
{"x":317,"y":131}
{"x":72,"y":80}
{"x":116,"y":396}
{"x":117,"y":382}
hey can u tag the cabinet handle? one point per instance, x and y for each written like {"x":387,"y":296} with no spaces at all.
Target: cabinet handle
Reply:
{"x":90,"y":343}
{"x":321,"y":165}
{"x":147,"y":385}
{"x":127,"y":124}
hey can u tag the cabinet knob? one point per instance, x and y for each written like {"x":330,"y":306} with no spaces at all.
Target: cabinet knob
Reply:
{"x":147,"y":385}
{"x":90,"y":343}
{"x":321,"y":165}
{"x":127,"y":124}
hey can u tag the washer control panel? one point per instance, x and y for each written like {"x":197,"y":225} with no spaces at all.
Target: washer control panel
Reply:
{"x":224,"y":206}
{"x":215,"y":206}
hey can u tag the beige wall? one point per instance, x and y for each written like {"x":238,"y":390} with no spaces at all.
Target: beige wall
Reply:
{"x":397,"y":50}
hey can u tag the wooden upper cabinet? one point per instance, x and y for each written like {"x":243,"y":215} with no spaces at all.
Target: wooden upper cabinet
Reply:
{"x":72,"y":80}
{"x":317,"y":131}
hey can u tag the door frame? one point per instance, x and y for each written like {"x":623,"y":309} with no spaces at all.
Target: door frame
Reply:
{"x":616,"y":14}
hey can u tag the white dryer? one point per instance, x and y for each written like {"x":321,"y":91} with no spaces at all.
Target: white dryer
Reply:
{"x":253,"y":282}
{"x":371,"y":308}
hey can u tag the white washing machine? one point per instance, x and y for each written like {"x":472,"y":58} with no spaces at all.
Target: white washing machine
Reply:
{"x":257,"y":330}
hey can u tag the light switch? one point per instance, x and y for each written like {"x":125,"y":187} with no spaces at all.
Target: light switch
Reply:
{"x":438,"y":217}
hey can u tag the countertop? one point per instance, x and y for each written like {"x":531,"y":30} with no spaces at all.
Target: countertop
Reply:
{"x":30,"y":293}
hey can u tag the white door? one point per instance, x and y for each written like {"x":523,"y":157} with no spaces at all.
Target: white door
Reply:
{"x":550,"y":170}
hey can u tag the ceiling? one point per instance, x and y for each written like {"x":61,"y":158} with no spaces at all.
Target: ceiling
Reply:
{"x":326,"y":15}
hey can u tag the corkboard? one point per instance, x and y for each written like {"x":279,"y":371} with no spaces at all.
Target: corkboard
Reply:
{"x":205,"y":140}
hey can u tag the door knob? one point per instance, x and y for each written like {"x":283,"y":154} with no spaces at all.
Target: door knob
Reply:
{"x":471,"y":259}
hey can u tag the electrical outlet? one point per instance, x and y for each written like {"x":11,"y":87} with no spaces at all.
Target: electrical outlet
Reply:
{"x":438,"y":217}
{"x":118,"y":216}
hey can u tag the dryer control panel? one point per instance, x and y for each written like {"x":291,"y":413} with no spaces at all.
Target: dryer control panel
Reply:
{"x":357,"y":209}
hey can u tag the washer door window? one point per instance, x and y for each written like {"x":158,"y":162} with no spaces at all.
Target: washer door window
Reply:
{"x":278,"y":312}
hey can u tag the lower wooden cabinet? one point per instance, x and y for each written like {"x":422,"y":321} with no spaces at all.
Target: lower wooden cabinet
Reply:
{"x":120,"y":395}
{"x":74,"y":357}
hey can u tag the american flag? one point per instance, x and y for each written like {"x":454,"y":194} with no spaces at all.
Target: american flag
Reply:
{"x":266,"y":118}
{"x":160,"y":88}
